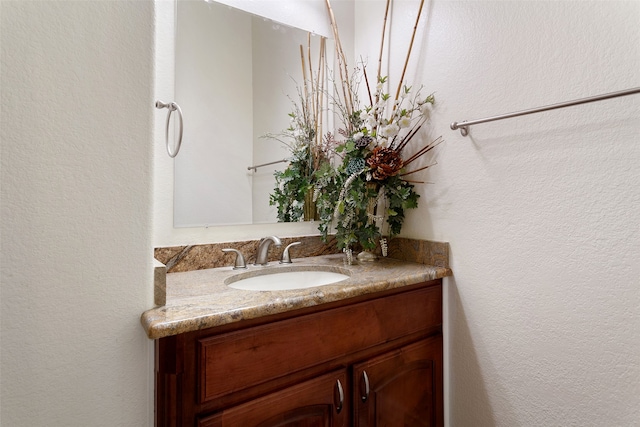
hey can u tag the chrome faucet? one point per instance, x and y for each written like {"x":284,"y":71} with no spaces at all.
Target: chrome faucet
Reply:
{"x":286,"y":258}
{"x":239,"y":264}
{"x":263,"y":249}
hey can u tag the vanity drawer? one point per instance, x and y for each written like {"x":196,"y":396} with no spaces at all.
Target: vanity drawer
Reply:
{"x":242,"y":359}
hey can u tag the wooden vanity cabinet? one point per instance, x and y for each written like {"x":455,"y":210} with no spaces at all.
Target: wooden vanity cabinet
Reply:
{"x":401,"y":387}
{"x":319,"y":402}
{"x":367,"y":361}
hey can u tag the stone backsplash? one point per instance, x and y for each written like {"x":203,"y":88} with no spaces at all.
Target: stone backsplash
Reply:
{"x":199,"y":257}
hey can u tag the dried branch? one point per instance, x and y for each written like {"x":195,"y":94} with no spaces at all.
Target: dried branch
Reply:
{"x":305,"y":98}
{"x":319,"y":100}
{"x":320,"y":91}
{"x":424,"y":150}
{"x":418,"y":170}
{"x":384,"y":30}
{"x":410,"y":135}
{"x":342,"y":62}
{"x":406,"y":62}
{"x":366,"y":80}
{"x":312,"y":93}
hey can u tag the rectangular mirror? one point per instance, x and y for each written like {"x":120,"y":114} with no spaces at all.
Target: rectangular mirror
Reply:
{"x":234,"y":74}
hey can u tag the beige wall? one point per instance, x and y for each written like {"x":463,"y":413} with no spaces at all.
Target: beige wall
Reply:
{"x":76,"y":236}
{"x":542,"y":212}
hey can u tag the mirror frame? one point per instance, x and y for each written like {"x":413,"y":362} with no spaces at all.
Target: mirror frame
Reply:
{"x":164,"y":233}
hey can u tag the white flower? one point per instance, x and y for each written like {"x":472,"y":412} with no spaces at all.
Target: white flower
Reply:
{"x":404,"y":122}
{"x":379,"y":86}
{"x":369,"y":119}
{"x":365,"y":115}
{"x":357,"y":136}
{"x":389,"y":131}
{"x":425,"y":109}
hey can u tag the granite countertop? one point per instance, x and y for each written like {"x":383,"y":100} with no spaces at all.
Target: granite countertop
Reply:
{"x":200,"y":299}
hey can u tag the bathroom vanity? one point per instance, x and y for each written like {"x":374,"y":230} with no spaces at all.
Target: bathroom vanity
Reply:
{"x":366,"y":351}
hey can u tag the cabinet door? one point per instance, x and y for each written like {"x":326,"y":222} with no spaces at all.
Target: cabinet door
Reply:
{"x":401,"y":388}
{"x":319,"y":402}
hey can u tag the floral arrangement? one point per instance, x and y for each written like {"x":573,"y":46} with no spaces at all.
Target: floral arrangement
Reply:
{"x":365,"y":195}
{"x":369,"y":186}
{"x":293,"y":192}
{"x":368,"y":190}
{"x":356,"y":182}
{"x":294,"y":184}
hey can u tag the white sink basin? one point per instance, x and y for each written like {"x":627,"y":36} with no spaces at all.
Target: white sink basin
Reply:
{"x":285,"y":280}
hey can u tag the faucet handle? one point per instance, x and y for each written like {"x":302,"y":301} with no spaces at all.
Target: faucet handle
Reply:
{"x":239,"y":264}
{"x":286,"y":258}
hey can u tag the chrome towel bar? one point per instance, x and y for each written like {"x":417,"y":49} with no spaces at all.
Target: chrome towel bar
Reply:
{"x":255,"y":168}
{"x":463,"y":126}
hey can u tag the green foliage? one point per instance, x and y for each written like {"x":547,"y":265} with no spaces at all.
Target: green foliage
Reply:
{"x":345,"y":198}
{"x":291,"y":187}
{"x":327,"y":188}
{"x":400,"y":196}
{"x":363,"y":196}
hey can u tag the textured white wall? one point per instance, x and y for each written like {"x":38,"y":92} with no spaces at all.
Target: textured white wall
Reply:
{"x":76,"y":245}
{"x":542,"y":212}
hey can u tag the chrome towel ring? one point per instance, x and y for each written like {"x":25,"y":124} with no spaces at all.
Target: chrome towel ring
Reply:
{"x":172,"y":106}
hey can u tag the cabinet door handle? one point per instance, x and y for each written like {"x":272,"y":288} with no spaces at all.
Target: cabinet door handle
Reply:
{"x":338,"y":396}
{"x":365,"y":383}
